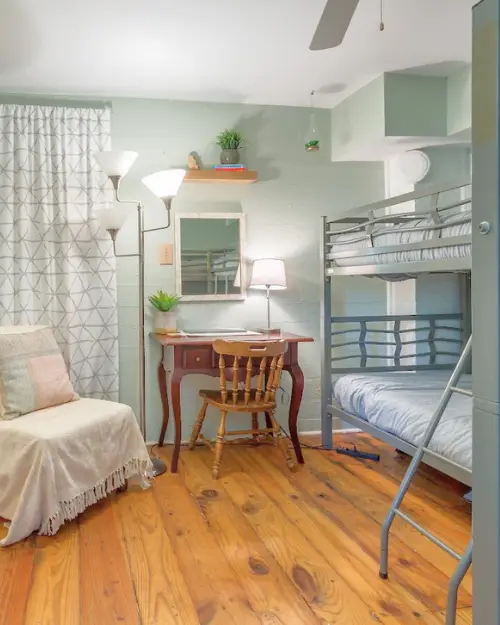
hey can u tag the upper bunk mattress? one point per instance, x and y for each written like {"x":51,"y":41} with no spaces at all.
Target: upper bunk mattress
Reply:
{"x":403,"y":404}
{"x":385,"y":235}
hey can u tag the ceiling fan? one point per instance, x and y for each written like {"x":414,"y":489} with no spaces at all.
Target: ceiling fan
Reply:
{"x":334,"y":22}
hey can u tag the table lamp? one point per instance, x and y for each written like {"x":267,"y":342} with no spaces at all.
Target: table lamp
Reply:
{"x":268,"y":274}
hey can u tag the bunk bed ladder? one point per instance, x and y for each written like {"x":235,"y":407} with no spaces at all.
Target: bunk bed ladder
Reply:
{"x":465,"y":559}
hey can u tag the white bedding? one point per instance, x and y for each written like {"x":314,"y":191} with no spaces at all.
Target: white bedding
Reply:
{"x":384,"y":235}
{"x":403,"y":404}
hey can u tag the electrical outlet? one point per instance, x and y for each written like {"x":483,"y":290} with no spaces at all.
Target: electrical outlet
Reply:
{"x":166,"y":254}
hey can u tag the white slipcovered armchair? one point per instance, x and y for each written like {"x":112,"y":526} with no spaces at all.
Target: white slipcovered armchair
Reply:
{"x":56,"y":460}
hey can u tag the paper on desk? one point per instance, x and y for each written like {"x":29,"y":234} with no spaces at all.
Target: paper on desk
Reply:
{"x":221,"y":333}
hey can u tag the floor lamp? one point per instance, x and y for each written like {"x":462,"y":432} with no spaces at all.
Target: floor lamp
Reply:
{"x":164,"y":184}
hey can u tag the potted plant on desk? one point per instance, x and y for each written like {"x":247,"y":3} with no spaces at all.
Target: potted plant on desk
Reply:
{"x":166,"y":318}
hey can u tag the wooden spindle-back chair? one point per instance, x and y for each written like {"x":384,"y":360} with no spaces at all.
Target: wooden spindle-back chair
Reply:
{"x":263,"y":360}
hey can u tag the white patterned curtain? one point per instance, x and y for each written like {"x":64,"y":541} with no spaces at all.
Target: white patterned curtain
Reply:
{"x":56,"y":267}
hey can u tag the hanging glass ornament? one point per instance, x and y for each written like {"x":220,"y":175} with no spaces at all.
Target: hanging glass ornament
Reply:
{"x":312,"y":137}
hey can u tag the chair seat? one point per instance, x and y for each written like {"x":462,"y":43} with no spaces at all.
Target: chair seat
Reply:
{"x":214,"y":398}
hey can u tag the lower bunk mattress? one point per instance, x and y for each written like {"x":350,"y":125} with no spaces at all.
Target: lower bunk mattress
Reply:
{"x":402,"y":404}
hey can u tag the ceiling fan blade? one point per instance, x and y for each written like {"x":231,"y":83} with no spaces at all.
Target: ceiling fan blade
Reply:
{"x":333,"y":25}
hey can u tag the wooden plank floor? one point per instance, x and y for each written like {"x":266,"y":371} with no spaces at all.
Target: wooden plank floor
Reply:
{"x":259,"y":546}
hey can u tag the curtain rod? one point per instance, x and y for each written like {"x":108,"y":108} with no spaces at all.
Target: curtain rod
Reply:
{"x":41,"y":100}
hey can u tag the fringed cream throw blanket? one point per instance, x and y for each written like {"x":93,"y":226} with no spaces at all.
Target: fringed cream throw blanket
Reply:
{"x":56,"y":462}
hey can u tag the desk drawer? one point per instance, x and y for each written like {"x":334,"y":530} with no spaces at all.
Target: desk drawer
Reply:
{"x":198,"y":358}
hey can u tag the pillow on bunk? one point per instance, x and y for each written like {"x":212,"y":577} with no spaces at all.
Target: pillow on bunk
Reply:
{"x":33,"y":374}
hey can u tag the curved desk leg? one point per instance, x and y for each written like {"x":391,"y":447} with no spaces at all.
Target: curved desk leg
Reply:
{"x":175,"y":390}
{"x":293,"y":414}
{"x":162,"y":385}
{"x":269,"y":423}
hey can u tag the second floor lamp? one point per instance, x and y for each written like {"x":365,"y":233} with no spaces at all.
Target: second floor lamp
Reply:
{"x":165,"y":185}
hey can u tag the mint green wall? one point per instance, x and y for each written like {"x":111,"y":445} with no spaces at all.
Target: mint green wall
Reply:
{"x":282,"y":210}
{"x":359,"y":118}
{"x":449,"y":163}
{"x":366,"y":125}
{"x":459,"y":101}
{"x":414,"y":105}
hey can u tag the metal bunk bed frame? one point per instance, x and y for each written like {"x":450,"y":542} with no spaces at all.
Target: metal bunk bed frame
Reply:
{"x":436,"y":324}
{"x":364,"y":218}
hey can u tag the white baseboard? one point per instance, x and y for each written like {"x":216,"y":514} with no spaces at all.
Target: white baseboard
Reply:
{"x":155,"y":443}
{"x":307,"y":433}
{"x":167,"y":442}
{"x":339,"y":431}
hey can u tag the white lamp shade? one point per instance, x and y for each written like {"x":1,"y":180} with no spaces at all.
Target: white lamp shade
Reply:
{"x":115,"y":162}
{"x":268,"y":273}
{"x":165,"y":183}
{"x":114,"y":217}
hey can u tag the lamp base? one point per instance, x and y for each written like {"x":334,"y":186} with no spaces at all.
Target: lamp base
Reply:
{"x":270,"y":331}
{"x":159,"y":467}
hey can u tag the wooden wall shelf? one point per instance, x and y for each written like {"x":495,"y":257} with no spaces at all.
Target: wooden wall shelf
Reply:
{"x":212,"y":175}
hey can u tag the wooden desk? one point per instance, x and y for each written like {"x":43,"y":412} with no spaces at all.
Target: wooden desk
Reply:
{"x":196,"y":355}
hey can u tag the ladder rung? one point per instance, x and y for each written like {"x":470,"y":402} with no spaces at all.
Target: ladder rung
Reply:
{"x":427,"y":534}
{"x":461,"y":391}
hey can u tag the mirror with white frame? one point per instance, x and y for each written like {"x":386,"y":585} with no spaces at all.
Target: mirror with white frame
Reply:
{"x":208,"y":256}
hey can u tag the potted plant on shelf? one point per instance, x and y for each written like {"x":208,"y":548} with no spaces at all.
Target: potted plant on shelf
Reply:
{"x":166,"y":319}
{"x":229,"y":142}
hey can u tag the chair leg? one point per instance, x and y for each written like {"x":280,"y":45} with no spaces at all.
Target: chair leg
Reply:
{"x":281,"y":441}
{"x":198,"y":425}
{"x":219,"y":444}
{"x":255,"y":423}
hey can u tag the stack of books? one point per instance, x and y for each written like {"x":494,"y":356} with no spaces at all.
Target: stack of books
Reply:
{"x":237,"y":167}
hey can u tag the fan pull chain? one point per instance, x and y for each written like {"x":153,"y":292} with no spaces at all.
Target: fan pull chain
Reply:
{"x":382,"y":25}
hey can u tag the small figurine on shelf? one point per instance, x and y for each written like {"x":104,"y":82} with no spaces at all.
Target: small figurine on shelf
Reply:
{"x":192,"y":161}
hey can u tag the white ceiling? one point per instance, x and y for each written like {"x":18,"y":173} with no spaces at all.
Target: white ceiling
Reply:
{"x":254,"y":51}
